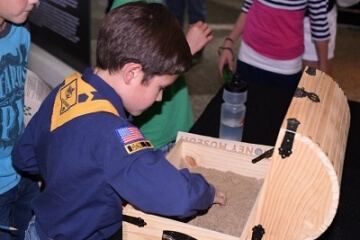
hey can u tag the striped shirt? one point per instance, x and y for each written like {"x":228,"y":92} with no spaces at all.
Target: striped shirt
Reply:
{"x":317,"y":10}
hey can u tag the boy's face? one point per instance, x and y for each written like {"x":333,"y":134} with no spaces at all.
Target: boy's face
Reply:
{"x":16,"y":11}
{"x":142,"y":95}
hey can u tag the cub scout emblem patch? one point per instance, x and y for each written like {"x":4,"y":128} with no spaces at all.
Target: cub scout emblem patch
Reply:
{"x":132,"y":139}
{"x":68,"y":96}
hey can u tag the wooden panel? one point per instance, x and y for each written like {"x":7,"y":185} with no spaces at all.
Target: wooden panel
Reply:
{"x":156,"y":225}
{"x":219,"y":159}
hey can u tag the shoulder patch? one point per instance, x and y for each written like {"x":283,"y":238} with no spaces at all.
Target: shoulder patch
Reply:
{"x":133,"y":139}
{"x":77,"y":98}
{"x":129,"y":134}
{"x":139,"y":145}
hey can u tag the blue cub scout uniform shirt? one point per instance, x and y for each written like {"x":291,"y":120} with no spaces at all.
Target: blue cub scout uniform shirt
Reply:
{"x":91,"y":158}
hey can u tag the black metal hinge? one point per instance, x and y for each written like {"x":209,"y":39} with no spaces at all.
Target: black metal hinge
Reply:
{"x":311,"y":71}
{"x":300,"y":93}
{"x":285,"y":149}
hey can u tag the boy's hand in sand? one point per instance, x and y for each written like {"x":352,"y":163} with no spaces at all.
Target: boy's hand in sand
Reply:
{"x":220,"y":198}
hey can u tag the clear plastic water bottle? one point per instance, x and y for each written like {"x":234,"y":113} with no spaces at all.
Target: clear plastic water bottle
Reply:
{"x":233,"y":109}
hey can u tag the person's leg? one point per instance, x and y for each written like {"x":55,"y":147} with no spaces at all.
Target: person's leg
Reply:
{"x":163,"y":2}
{"x":22,"y":213}
{"x":167,"y":148}
{"x":259,"y":76}
{"x":31,"y":233}
{"x":177,"y":7}
{"x":6,"y":201}
{"x":262,"y":87}
{"x":197,"y":11}
{"x":108,"y":8}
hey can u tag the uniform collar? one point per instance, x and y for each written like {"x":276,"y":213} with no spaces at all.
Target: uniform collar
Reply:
{"x":105,"y":91}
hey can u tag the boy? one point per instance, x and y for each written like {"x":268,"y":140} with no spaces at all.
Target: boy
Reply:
{"x":16,"y":190}
{"x":162,"y":116}
{"x":91,"y":158}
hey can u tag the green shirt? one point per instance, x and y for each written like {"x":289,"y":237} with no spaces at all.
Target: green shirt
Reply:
{"x":118,"y":3}
{"x":161,"y":123}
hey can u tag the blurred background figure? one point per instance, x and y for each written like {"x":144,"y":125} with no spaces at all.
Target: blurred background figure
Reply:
{"x":195,"y":8}
{"x":310,"y":57}
{"x":272,"y":44}
{"x":196,"y":12}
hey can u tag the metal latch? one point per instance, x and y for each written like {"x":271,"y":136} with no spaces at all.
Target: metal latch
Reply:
{"x":172,"y":235}
{"x":258,"y":232}
{"x":134,"y":220}
{"x":266,"y":154}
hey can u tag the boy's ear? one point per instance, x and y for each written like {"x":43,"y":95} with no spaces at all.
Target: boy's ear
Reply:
{"x":132,"y":71}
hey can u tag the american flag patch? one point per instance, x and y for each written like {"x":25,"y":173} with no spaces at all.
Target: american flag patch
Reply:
{"x":129,"y":134}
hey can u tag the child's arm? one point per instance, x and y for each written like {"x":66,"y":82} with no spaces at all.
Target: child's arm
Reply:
{"x":198,"y":35}
{"x":23,"y":153}
{"x":227,"y":55}
{"x":322,"y":53}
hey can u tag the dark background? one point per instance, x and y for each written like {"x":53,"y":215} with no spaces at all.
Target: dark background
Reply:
{"x":49,"y":16}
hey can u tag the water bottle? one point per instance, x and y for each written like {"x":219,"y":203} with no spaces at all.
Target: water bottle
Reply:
{"x":233,"y":109}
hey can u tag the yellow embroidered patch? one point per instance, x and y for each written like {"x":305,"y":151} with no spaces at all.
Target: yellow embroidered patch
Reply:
{"x":68,"y":96}
{"x":77,"y":98}
{"x":136,"y":146}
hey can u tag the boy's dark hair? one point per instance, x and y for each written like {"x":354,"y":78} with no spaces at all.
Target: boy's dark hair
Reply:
{"x":144,"y":33}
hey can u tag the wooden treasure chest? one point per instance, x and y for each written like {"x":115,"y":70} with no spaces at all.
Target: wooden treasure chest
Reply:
{"x":292,"y":195}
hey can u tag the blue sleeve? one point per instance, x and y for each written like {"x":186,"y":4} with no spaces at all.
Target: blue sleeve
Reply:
{"x":23,"y":153}
{"x":148,"y":181}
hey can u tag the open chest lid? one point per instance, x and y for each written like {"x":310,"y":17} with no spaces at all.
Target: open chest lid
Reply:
{"x":301,"y":189}
{"x":300,"y":195}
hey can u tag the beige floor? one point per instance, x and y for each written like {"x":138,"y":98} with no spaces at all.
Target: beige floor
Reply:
{"x":204,"y":80}
{"x":346,"y":65}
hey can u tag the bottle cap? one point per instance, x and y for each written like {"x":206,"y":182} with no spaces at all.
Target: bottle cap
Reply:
{"x":236,"y":85}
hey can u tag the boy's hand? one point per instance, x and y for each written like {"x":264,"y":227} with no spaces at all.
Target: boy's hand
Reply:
{"x":198,"y":35}
{"x":220,"y":198}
